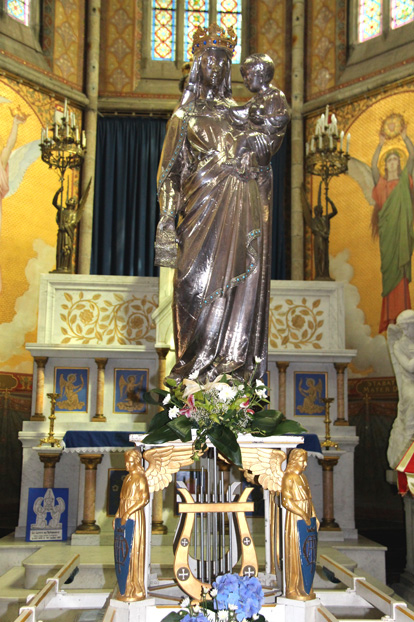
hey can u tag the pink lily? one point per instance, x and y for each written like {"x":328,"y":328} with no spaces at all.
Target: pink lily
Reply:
{"x":188,"y":411}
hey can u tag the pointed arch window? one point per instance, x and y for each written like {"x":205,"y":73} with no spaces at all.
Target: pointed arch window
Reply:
{"x":377,"y":17}
{"x":19,"y":10}
{"x":174,"y":22}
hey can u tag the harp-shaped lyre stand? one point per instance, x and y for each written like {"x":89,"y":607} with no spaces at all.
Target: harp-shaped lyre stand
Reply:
{"x":249,"y":566}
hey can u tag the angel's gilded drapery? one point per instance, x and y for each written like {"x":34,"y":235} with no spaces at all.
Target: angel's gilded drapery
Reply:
{"x":222,"y":259}
{"x":296,"y":495}
{"x":396,"y":238}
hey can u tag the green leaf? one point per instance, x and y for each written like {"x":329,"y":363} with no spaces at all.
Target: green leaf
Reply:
{"x":149,"y":399}
{"x":290,"y":427}
{"x":265,"y":422}
{"x":182,"y":426}
{"x":226,"y":442}
{"x":170,"y":382}
{"x":159,"y":420}
{"x":162,"y":435}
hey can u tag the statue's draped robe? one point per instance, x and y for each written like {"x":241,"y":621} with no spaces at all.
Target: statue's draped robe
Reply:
{"x":396,"y":239}
{"x":295,"y":493}
{"x":222,"y":278}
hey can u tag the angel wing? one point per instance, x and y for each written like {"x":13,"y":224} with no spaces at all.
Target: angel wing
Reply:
{"x":122,"y":384}
{"x":164,"y":462}
{"x":362,"y":173}
{"x":394,"y":334}
{"x":62,"y":387}
{"x":19,"y":162}
{"x":267,"y":464}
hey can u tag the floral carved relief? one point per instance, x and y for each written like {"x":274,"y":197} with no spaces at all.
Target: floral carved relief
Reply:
{"x":296,"y":325}
{"x":122,"y":320}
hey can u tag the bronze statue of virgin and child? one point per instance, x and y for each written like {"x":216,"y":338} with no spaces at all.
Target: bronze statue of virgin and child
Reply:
{"x":215,"y":193}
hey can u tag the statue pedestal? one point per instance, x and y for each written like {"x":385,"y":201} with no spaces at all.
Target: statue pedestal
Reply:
{"x":139,"y":611}
{"x":299,"y":610}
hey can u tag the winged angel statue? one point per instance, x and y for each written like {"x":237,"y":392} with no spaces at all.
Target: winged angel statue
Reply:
{"x":388,"y":186}
{"x":401,"y":345}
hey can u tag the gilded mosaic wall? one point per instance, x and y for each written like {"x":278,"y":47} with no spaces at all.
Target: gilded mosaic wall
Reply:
{"x":321,"y":41}
{"x":384,"y":118}
{"x":68,"y":39}
{"x":120,"y":63}
{"x":28,"y":227}
{"x":269,"y":32}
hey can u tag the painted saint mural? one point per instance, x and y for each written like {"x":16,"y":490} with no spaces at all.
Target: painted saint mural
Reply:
{"x":27,"y":227}
{"x":372,"y":238}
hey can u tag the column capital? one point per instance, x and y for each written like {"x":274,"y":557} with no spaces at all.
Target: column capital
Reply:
{"x":282,"y":365}
{"x":91,"y":461}
{"x":340,"y":367}
{"x":162,"y":352}
{"x":41,"y":361}
{"x":328,"y":462}
{"x":101,"y":363}
{"x":49,"y":460}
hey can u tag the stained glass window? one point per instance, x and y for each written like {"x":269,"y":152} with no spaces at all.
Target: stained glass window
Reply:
{"x":195,"y":15}
{"x":369,"y":19}
{"x":163,"y":29}
{"x":19,"y":10}
{"x":229,"y":13}
{"x":402,"y":12}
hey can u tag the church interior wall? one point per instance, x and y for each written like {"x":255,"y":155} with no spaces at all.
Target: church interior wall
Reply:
{"x":363,"y":95}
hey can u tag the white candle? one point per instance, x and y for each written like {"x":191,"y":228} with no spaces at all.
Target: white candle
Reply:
{"x":42,"y":134}
{"x":323,"y":121}
{"x":348,"y":141}
{"x":65,"y":110}
{"x":327,"y":113}
{"x":320,"y":142}
{"x":56,"y":131}
{"x":67,"y":130}
{"x":341,"y":140}
{"x":77,"y":135}
{"x":83,"y":139}
{"x":312,"y":145}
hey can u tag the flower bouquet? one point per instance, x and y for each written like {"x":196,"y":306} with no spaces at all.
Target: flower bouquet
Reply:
{"x":233,"y":599}
{"x":219,"y":411}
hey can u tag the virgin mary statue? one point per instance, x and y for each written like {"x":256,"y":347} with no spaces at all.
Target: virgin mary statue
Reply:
{"x":215,"y":223}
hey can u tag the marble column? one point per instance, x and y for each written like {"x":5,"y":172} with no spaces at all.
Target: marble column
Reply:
{"x":93,"y":35}
{"x":157,"y":504}
{"x":328,"y":463}
{"x":298,"y":64}
{"x":282,"y":367}
{"x":40,"y":386}
{"x":88,"y":525}
{"x":340,"y":391}
{"x":49,"y":461}
{"x":100,"y":390}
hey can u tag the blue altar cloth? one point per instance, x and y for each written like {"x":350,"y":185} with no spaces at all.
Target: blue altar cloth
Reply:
{"x":86,"y":438}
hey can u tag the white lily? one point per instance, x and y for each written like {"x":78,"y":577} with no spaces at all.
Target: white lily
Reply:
{"x":257,"y":360}
{"x":260,"y":383}
{"x":262,"y":393}
{"x":173,"y":412}
{"x":167,"y":399}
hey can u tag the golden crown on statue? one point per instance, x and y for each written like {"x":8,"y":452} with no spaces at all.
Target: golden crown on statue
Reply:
{"x":214,"y":36}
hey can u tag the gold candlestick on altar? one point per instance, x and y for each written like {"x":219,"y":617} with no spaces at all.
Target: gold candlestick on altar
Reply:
{"x":50,"y":439}
{"x":328,"y":443}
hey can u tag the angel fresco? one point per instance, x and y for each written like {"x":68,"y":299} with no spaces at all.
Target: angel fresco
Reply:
{"x":13,"y":164}
{"x":388,"y":187}
{"x":130,"y":392}
{"x":69,"y":390}
{"x":312,"y":395}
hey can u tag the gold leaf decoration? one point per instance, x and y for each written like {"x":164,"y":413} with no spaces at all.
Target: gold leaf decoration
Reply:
{"x":126,"y":320}
{"x":296,"y":325}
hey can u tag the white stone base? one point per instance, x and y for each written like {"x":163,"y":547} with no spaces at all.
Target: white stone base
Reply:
{"x":87,"y":539}
{"x":331,"y":536}
{"x":140,"y":611}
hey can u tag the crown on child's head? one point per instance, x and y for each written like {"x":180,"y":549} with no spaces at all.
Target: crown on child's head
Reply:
{"x":214,"y":36}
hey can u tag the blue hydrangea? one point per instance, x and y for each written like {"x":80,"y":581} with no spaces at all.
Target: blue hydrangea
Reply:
{"x":243,"y":592}
{"x":200,"y":617}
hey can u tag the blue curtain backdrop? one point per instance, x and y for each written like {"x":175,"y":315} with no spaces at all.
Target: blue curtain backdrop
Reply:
{"x":125,"y":204}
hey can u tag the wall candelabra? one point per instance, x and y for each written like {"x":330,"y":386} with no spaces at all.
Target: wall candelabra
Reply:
{"x":326,"y":157}
{"x":63,"y":148}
